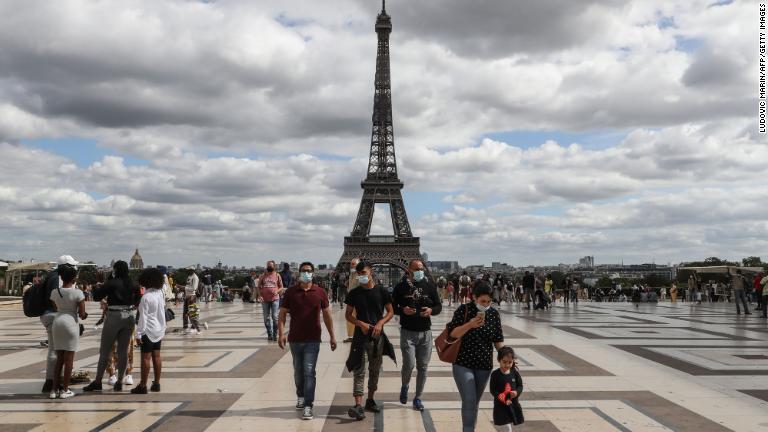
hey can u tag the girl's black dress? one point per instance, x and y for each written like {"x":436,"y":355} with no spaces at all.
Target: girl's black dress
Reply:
{"x":502,"y":413}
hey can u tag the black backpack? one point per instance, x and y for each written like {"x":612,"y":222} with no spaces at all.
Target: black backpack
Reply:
{"x":35,"y":299}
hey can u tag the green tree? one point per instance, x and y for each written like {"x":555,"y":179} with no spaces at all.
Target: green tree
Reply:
{"x":655,"y":280}
{"x":87,"y":275}
{"x":752,"y":261}
{"x":604,"y":282}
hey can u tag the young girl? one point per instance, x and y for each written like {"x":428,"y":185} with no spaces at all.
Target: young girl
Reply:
{"x":151,"y":328}
{"x":506,"y":386}
{"x":70,"y":303}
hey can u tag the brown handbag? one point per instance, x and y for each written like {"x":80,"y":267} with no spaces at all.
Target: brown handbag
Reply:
{"x":447,"y":347}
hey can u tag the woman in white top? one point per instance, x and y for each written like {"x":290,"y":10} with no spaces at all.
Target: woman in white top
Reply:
{"x":70,"y":303}
{"x":151,"y":328}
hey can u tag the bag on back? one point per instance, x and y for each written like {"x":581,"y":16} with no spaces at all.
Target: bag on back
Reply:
{"x":34,"y":299}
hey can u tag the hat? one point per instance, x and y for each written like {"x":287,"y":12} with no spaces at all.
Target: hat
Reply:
{"x":67,"y":259}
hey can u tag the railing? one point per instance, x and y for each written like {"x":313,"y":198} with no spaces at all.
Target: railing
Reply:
{"x":380,"y":239}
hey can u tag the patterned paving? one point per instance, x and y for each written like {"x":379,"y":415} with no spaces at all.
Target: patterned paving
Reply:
{"x":591,"y":367}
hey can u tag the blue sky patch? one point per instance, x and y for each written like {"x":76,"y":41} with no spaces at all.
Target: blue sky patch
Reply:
{"x":82,"y":151}
{"x":594,"y":140}
{"x":688,"y":45}
{"x":289,"y":22}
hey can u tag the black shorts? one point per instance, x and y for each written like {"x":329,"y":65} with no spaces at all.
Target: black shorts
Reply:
{"x":147,"y":346}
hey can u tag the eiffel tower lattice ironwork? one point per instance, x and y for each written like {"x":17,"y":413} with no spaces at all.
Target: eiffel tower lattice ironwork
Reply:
{"x":382,"y":185}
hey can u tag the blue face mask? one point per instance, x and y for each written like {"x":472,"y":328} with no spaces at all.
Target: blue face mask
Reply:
{"x":363,"y":280}
{"x":306,"y":277}
{"x":418,"y":275}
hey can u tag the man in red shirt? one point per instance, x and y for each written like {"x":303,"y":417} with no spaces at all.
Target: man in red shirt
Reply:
{"x":758,"y":290}
{"x":305,"y":302}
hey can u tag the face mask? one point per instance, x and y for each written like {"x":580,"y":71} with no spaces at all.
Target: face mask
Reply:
{"x":363,"y":280}
{"x":482,"y":308}
{"x":270,"y":269}
{"x":418,"y":275}
{"x":306,"y":277}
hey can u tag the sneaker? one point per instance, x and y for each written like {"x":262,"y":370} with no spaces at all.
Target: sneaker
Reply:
{"x":66,"y":394}
{"x":139,"y":389}
{"x":112,"y":380}
{"x":300,"y":403}
{"x":47,"y":386}
{"x":155,"y":387}
{"x":308,"y":415}
{"x":53,"y":395}
{"x":118,"y":387}
{"x":205,"y":324}
{"x":128,"y":380}
{"x":356,"y":412}
{"x":417,"y":405}
{"x":93,"y":386}
{"x":370,"y":405}
{"x":404,"y":395}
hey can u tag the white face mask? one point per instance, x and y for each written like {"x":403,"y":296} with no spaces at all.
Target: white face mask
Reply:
{"x":363,"y":280}
{"x":482,"y":308}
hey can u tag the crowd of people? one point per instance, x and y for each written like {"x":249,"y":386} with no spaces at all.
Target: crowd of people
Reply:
{"x":136,"y":314}
{"x":415,"y":299}
{"x":131,"y":313}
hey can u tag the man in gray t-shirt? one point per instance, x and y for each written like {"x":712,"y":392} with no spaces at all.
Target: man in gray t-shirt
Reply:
{"x":739,"y":295}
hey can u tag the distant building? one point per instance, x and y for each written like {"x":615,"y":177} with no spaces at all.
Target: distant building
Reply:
{"x":498,"y":267}
{"x":474,"y":269}
{"x":587,"y":262}
{"x":443,"y":266}
{"x":136,"y":262}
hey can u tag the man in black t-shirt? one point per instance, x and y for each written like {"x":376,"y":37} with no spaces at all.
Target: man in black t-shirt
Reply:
{"x":415,"y":299}
{"x":529,"y":283}
{"x":372,"y":306}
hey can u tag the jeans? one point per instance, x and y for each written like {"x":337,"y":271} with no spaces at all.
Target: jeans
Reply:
{"x":374,"y":350}
{"x":50,"y":359}
{"x":471,"y":384}
{"x":740,"y":296}
{"x":270,"y":317}
{"x":118,"y":327}
{"x":765,"y":304}
{"x":417,"y":348}
{"x":185,"y":313}
{"x":304,"y":364}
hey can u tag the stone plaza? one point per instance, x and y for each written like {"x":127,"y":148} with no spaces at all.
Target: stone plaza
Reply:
{"x":590,"y":367}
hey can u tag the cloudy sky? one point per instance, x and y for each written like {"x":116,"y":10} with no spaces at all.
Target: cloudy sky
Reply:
{"x":527,"y":131}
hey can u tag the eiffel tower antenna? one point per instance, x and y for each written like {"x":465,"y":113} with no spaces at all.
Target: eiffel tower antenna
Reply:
{"x":382,"y":184}
{"x":384,"y":6}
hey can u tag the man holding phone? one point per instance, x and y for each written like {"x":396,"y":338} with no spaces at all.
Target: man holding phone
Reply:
{"x":415,"y":300}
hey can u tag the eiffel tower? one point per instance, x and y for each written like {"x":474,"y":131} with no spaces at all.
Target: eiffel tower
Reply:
{"x":382,"y":185}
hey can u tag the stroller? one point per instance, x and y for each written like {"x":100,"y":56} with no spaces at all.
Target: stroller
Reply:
{"x":540,"y":300}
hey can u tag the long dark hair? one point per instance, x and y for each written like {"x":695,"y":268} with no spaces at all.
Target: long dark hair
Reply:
{"x":121,"y":272}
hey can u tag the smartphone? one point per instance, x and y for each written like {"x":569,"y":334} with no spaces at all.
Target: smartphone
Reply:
{"x":481,"y":314}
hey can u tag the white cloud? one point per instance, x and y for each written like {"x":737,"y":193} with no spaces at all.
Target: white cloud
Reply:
{"x":243,"y":108}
